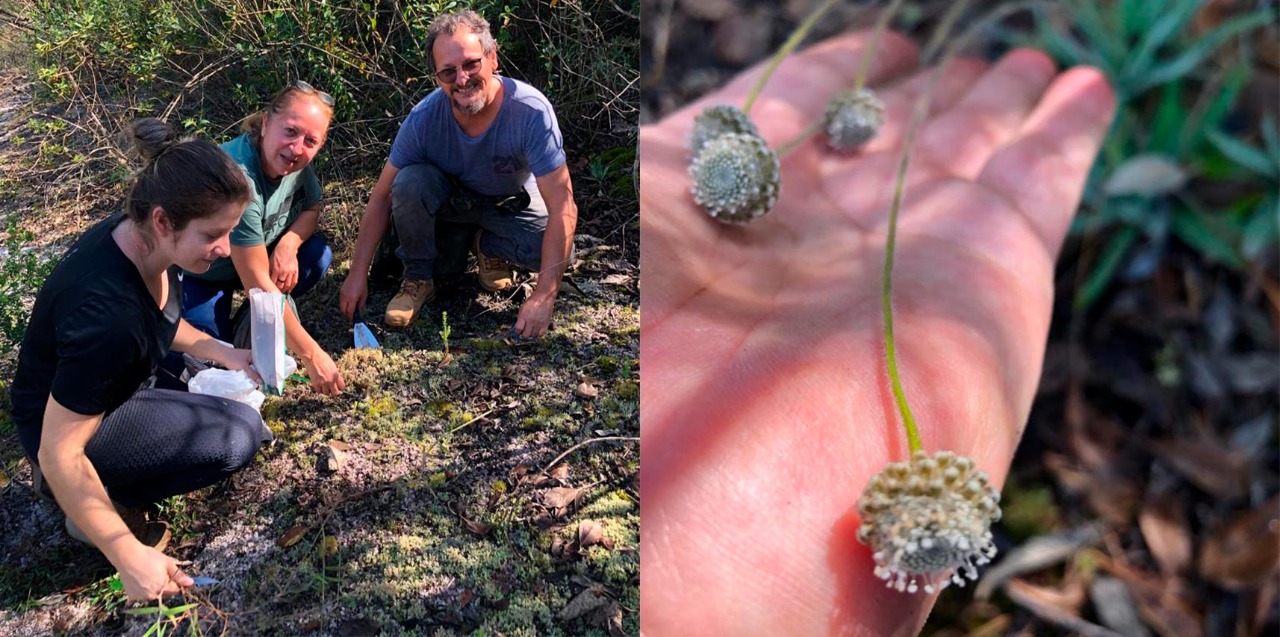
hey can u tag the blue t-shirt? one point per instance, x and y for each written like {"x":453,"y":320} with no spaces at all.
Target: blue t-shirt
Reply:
{"x":522,"y":143}
{"x":273,"y":208}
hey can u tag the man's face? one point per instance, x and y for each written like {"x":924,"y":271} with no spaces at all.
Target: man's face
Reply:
{"x":462,"y":56}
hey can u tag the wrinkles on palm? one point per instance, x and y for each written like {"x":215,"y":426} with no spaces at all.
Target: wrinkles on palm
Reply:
{"x":765,"y":406}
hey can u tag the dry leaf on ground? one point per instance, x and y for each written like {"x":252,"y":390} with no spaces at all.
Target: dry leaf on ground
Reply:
{"x":1207,"y":463}
{"x":1246,"y":550}
{"x":588,"y":600}
{"x":292,"y":536}
{"x":1164,"y":527}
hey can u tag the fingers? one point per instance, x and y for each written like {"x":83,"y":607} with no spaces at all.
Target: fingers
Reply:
{"x":990,"y":114}
{"x":1043,"y":171}
{"x":900,"y":100}
{"x":180,"y":578}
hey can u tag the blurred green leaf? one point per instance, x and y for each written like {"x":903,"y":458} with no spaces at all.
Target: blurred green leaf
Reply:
{"x":1166,"y":26}
{"x":1215,"y":110}
{"x":1212,"y":236}
{"x":1263,"y":227}
{"x":1099,"y":280}
{"x":1244,"y":155}
{"x":1170,"y":117}
{"x":1195,"y":55}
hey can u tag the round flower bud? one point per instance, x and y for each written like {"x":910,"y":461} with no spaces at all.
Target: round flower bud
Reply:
{"x":715,"y":121}
{"x":928,"y":521}
{"x":852,"y":119}
{"x":735,"y":178}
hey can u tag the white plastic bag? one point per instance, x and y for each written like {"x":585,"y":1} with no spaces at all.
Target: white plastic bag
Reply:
{"x":224,"y":383}
{"x":266,"y":333}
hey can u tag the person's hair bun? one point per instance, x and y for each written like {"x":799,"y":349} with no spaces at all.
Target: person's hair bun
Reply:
{"x":152,"y":137}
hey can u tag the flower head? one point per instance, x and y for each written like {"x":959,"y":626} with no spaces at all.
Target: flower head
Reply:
{"x":735,"y":177}
{"x":715,"y":121}
{"x":928,"y":521}
{"x":852,"y":119}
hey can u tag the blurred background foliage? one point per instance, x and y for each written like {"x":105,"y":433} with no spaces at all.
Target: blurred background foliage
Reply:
{"x":208,"y":63}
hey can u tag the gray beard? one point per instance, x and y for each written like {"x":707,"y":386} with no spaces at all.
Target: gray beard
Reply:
{"x":470,"y":108}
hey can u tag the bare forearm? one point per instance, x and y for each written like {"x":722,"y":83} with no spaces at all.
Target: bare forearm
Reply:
{"x":192,"y":341}
{"x":556,"y":245}
{"x":373,"y":226}
{"x":79,"y":491}
{"x":301,"y":229}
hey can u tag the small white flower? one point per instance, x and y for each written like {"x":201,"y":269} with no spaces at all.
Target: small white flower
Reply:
{"x":735,"y":177}
{"x":715,"y":121}
{"x":928,"y":521}
{"x":852,"y":119}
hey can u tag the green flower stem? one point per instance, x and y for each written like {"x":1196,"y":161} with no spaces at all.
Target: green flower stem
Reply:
{"x":786,"y":49}
{"x":899,"y":186}
{"x":882,"y":21}
{"x":799,"y":139}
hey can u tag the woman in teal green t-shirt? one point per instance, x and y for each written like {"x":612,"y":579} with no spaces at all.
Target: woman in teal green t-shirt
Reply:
{"x":276,"y":246}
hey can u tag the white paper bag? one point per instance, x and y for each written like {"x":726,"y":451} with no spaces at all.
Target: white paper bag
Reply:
{"x":266,"y":317}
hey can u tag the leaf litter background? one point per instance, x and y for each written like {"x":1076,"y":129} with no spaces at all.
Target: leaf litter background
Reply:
{"x":1143,"y":498}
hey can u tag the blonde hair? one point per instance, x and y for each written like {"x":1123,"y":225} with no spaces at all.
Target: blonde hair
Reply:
{"x":282,"y":100}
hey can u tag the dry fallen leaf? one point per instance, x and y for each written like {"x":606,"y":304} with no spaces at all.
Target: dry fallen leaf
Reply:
{"x":292,"y":536}
{"x":560,"y":472}
{"x":1164,"y":526}
{"x":586,"y":601}
{"x":1246,"y":550}
{"x":560,"y":497}
{"x":1160,"y":605}
{"x":1043,"y":603}
{"x":1146,"y":175}
{"x":1036,"y":554}
{"x":1207,"y":463}
{"x":591,"y":533}
{"x":586,"y":390}
{"x":477,"y":528}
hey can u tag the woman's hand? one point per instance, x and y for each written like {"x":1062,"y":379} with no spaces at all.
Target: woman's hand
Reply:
{"x":148,"y":574}
{"x":325,"y":378}
{"x":238,"y":359}
{"x":284,"y":265}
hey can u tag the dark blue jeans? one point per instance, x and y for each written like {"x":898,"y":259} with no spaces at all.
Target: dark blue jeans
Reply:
{"x":207,"y":304}
{"x":422,"y":194}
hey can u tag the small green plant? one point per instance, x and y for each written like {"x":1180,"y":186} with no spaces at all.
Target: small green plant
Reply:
{"x":23,"y":269}
{"x":1174,"y":101}
{"x":445,"y":331}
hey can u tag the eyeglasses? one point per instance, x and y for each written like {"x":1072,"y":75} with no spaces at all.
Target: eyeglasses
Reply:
{"x":450,"y":75}
{"x":309,"y":89}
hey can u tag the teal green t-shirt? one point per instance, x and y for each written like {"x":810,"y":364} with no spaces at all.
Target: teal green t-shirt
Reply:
{"x":274,"y":206}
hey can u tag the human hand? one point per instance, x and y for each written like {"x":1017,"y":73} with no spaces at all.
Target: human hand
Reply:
{"x":354,"y":292}
{"x":535,"y":315}
{"x":284,"y":266}
{"x":148,"y":574}
{"x":766,"y":406}
{"x":325,"y":378}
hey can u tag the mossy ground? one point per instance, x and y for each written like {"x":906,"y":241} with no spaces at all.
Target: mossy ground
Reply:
{"x":435,"y":520}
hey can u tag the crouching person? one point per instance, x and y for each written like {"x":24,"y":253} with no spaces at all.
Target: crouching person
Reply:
{"x":102,"y":441}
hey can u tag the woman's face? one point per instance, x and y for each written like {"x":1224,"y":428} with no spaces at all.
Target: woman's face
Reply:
{"x":292,"y":137}
{"x":206,"y":240}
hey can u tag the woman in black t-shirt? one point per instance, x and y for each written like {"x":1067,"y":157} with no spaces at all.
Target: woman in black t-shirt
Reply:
{"x":95,"y":430}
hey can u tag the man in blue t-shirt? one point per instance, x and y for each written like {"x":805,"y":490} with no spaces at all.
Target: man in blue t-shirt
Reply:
{"x":481,"y":149}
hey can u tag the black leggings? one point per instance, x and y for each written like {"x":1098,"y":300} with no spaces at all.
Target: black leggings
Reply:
{"x":163,"y":442}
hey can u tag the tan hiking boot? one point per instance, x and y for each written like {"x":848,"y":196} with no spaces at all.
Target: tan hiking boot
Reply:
{"x":405,"y":306}
{"x":153,"y":534}
{"x":495,"y":273}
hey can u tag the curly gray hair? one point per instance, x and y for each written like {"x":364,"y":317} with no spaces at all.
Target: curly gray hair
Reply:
{"x":448,"y":24}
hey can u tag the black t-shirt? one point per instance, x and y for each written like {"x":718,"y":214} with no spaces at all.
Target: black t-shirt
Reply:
{"x":95,"y":336}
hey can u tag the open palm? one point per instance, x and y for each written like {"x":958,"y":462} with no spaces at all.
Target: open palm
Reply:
{"x":765,"y":406}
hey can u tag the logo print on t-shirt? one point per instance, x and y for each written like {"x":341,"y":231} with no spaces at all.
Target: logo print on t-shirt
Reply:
{"x":508,"y":165}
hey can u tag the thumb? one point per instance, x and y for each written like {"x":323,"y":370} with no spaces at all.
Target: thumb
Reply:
{"x":180,"y":578}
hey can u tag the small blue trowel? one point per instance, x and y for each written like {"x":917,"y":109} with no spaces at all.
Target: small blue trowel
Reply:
{"x":363,"y":337}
